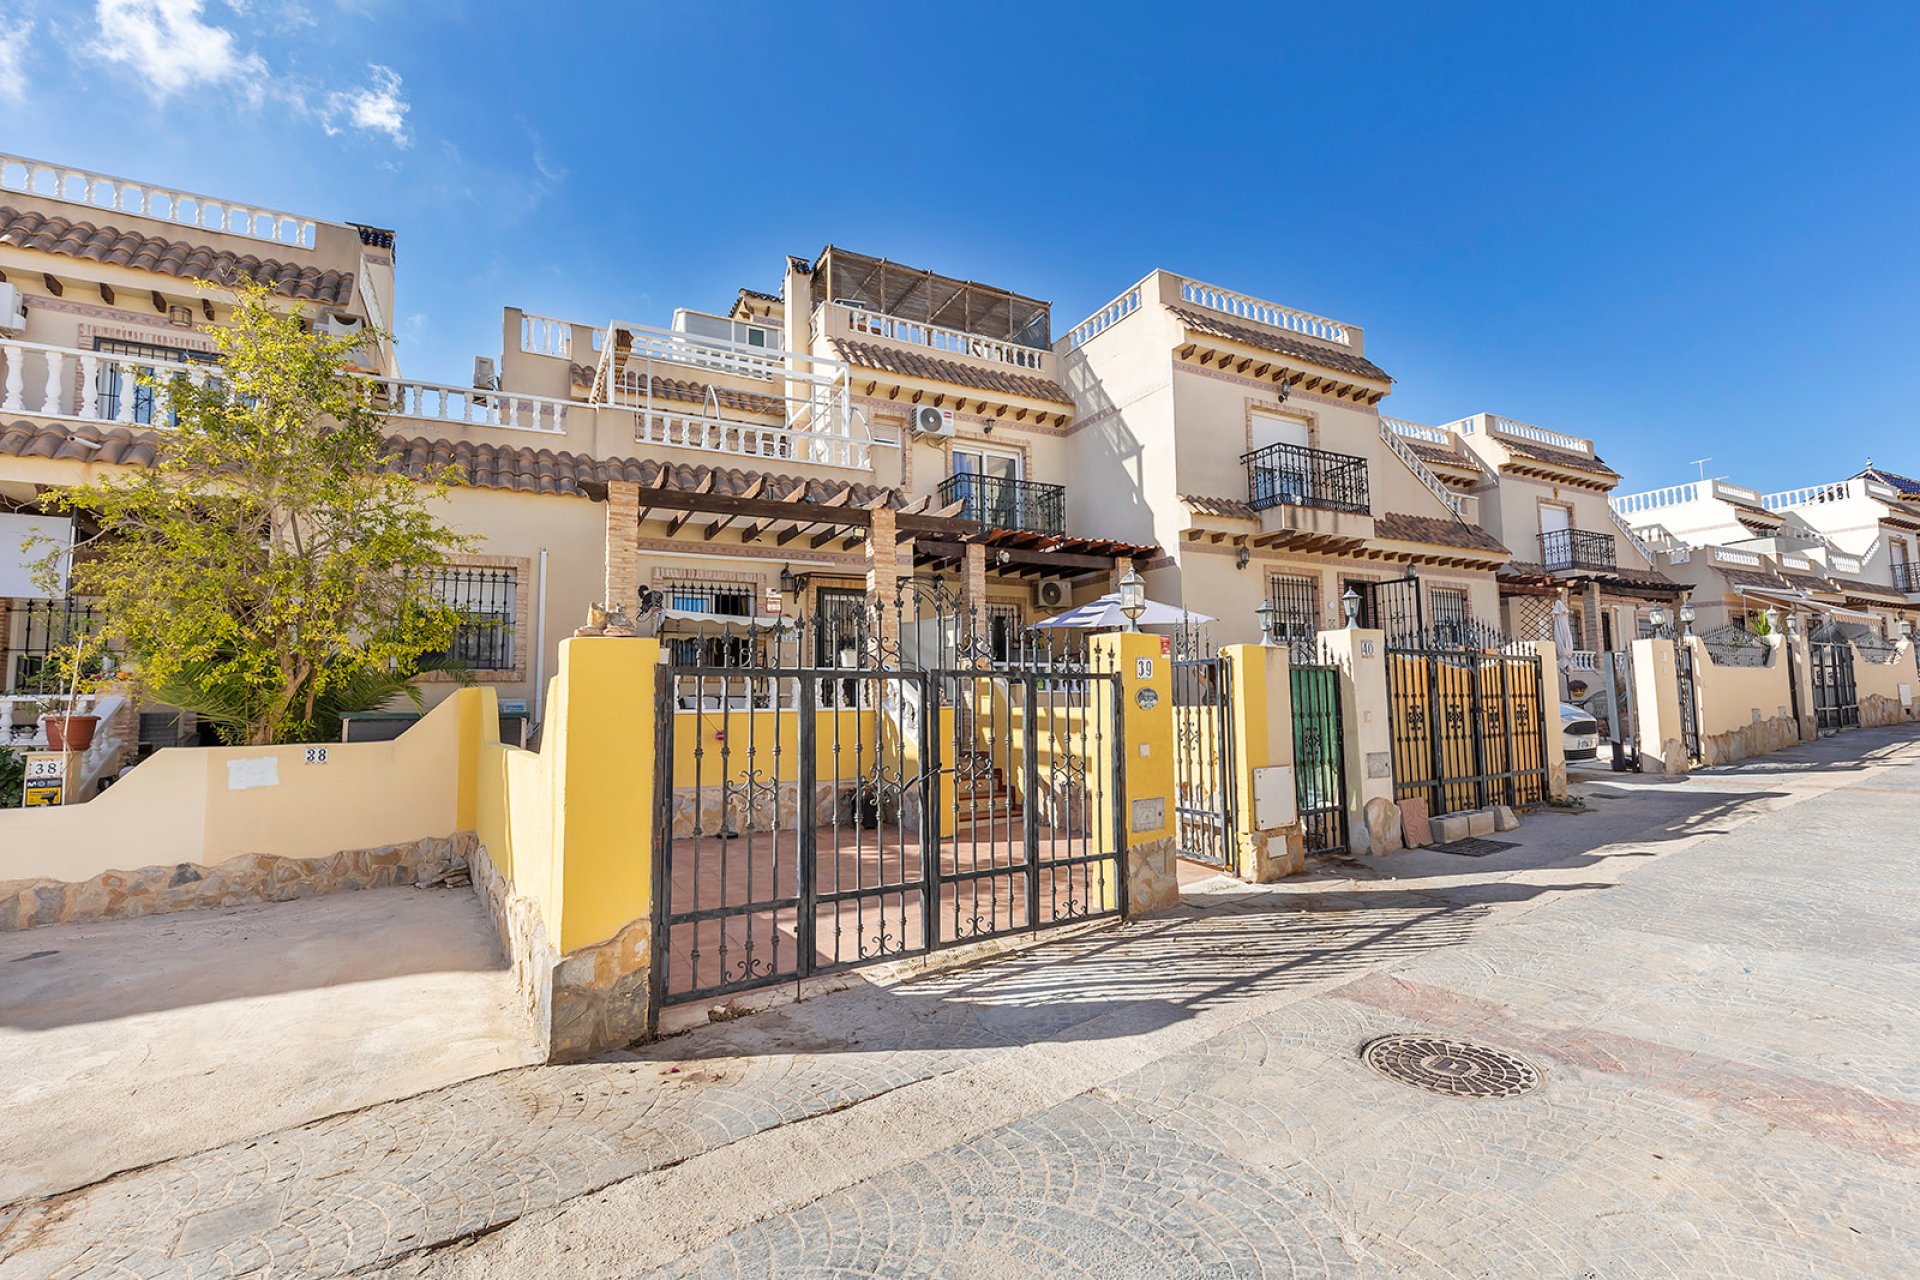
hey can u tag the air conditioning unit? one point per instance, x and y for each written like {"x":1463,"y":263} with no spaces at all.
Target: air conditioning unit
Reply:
{"x":929,"y":421}
{"x":13,"y":309}
{"x":485,"y":377}
{"x":1051,"y":593}
{"x":337,"y":324}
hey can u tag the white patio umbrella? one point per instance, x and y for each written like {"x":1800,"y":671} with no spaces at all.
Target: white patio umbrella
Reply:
{"x":1105,"y":612}
{"x":1563,"y":633}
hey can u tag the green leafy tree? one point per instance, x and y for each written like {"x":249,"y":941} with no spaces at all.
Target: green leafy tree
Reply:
{"x":268,"y":566}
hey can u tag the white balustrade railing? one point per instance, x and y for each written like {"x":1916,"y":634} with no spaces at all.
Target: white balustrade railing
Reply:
{"x":1727,"y":555}
{"x":1844,"y":564}
{"x":1541,"y":435}
{"x":1420,"y":470}
{"x":671,"y":430}
{"x":1417,"y":430}
{"x":546,"y":336}
{"x":1673,"y":495}
{"x":143,"y":199}
{"x":937,"y":338}
{"x":1797,"y":562}
{"x":1583,"y":660}
{"x":1808,"y":496}
{"x":764,"y":364}
{"x":90,"y":386}
{"x":1626,"y":531}
{"x":1105,"y":318}
{"x":23,"y":728}
{"x":440,"y":402}
{"x":1241,"y":307}
{"x":98,"y":387}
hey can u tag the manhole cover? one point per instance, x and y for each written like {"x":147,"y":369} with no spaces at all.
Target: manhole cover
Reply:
{"x":1451,"y":1067}
{"x":1474,"y":847}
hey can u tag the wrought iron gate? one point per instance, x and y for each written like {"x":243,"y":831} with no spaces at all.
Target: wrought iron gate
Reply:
{"x":1469,"y":721}
{"x":1687,"y":683}
{"x":816,"y":814}
{"x":1203,"y":751}
{"x":1836,"y":700}
{"x":1320,"y":775}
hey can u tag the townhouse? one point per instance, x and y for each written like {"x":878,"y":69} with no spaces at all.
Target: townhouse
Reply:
{"x":1745,"y":554}
{"x":1244,"y":438}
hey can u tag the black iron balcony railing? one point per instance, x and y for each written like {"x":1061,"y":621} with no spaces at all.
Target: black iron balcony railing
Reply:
{"x":1008,"y":504}
{"x":1291,"y":475}
{"x":1906,"y":576}
{"x":1563,"y":549}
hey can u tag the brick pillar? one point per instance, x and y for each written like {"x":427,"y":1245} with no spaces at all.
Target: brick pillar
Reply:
{"x":1593,"y":637}
{"x":974,"y":563}
{"x":1122,"y":566}
{"x":623,"y":547}
{"x":884,"y":554}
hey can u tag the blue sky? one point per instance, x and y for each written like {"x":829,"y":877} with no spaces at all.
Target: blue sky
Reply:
{"x":1683,"y":230}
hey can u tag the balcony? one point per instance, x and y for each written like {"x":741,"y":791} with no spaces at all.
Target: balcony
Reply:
{"x":1906,"y":577}
{"x":1008,"y":504}
{"x":1565,"y":549}
{"x":106,"y":389}
{"x":1291,"y":475}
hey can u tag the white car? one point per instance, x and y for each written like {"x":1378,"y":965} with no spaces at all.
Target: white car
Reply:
{"x":1579,"y":732}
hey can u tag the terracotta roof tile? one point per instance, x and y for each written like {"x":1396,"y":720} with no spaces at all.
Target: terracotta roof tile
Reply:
{"x":1439,"y":531}
{"x":1877,"y":590}
{"x":31,"y":230}
{"x":1234,"y":508}
{"x":914,"y":365}
{"x":725,"y":397}
{"x":1569,"y":458}
{"x":1438,"y":454}
{"x":1286,"y":344}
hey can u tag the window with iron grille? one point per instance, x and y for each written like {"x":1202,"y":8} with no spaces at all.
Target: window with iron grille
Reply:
{"x":485,"y":599}
{"x":37,"y":631}
{"x":107,"y":379}
{"x":1297,"y":617}
{"x":719,"y":600}
{"x":1449,"y":609}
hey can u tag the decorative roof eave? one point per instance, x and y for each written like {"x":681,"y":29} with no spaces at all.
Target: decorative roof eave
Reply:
{"x":882,"y":365}
{"x":1439,"y":556}
{"x":1533,"y":469}
{"x":908,"y":391}
{"x":1279,"y":370}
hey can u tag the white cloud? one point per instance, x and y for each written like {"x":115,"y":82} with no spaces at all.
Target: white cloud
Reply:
{"x":379,"y":107}
{"x":167,"y":44}
{"x":13,"y":53}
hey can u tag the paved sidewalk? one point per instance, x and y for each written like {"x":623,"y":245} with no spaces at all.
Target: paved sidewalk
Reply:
{"x":1717,"y":978}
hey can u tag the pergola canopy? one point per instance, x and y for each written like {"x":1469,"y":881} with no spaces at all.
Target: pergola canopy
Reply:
{"x":910,"y":293}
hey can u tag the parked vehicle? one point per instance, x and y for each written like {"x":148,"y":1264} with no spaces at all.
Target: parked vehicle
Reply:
{"x":1579,"y":732}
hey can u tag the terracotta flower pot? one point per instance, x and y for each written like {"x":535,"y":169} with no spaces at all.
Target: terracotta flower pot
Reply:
{"x":70,"y":733}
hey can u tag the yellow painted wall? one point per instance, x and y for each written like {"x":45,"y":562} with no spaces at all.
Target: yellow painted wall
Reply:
{"x":1885,"y":678}
{"x":724,"y":742}
{"x":183,"y":804}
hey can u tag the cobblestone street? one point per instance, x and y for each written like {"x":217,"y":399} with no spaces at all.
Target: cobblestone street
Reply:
{"x":1715,"y":978}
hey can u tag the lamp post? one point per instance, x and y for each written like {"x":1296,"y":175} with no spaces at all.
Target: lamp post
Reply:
{"x":1133,"y":598}
{"x":1686,"y":616}
{"x":1350,"y":601}
{"x":1268,"y":615}
{"x":1658,"y":617}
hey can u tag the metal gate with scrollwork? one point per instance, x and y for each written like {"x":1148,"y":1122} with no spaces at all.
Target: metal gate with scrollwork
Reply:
{"x":1836,"y":698}
{"x":1468,"y":712}
{"x":857,"y":787}
{"x":1203,"y":750}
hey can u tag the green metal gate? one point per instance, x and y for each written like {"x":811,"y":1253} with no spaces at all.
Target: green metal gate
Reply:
{"x":1319,"y":763}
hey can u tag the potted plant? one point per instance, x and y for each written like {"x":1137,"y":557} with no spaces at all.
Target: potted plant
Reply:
{"x":71,"y":727}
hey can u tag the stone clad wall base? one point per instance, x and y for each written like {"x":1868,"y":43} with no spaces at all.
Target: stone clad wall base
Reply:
{"x":524,"y":942}
{"x":249,"y":878}
{"x":1267,"y":856}
{"x":1877,"y":709}
{"x":586,"y":1002}
{"x":1776,"y":733}
{"x":1152,"y":884}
